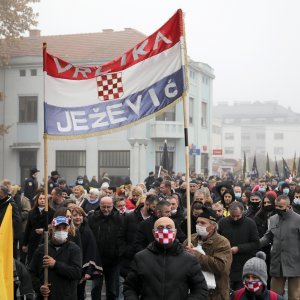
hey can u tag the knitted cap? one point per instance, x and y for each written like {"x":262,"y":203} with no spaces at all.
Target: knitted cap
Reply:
{"x":257,"y":266}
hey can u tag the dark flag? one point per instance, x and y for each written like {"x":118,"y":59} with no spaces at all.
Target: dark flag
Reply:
{"x":294,"y":169}
{"x":286,"y":170}
{"x":298,"y":169}
{"x":164,"y":163}
{"x":254,"y":172}
{"x":244,"y":166}
{"x":268,"y":169}
{"x":276,"y":170}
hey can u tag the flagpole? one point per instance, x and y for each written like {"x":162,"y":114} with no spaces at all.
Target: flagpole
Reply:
{"x":186,"y":124}
{"x":46,"y":236}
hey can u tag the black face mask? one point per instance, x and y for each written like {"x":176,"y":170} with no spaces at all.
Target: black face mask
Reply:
{"x":280,"y":212}
{"x":254,"y":205}
{"x":268,"y":208}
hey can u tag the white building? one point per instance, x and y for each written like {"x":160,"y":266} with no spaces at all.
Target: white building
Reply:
{"x":258,"y":128}
{"x":129,"y":153}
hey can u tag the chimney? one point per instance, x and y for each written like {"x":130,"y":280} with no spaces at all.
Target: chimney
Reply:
{"x":34,"y":33}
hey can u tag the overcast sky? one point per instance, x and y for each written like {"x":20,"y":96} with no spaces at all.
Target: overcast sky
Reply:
{"x":253,"y":46}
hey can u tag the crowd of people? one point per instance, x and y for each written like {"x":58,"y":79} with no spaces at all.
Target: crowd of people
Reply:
{"x":245,"y":241}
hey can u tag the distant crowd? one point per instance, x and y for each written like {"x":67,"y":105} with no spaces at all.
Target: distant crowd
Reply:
{"x":245,"y":241}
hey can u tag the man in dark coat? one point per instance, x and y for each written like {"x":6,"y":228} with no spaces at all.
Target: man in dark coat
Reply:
{"x":149,"y":180}
{"x":164,"y":270}
{"x":31,"y":185}
{"x":52,"y":182}
{"x":130,"y":228}
{"x":5,"y":200}
{"x":243,"y":236}
{"x":63,"y":262}
{"x":106,"y":224}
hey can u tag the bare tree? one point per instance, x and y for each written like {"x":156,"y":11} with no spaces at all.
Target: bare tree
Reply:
{"x":16,"y":17}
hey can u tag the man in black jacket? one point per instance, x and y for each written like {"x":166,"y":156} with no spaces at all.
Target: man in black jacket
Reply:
{"x":164,"y":270}
{"x":106,"y":224}
{"x":63,"y":262}
{"x":243,"y":236}
{"x":5,"y":200}
{"x":31,"y":185}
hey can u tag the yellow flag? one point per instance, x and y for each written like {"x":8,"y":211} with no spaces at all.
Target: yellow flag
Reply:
{"x":6,"y":256}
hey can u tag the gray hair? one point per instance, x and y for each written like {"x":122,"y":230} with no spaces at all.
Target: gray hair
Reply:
{"x":236,"y":205}
{"x":285,"y":198}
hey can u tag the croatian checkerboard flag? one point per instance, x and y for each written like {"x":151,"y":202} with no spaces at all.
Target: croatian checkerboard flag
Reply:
{"x":89,"y":100}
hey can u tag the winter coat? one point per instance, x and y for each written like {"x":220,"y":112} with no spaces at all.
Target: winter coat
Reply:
{"x":128,"y":235}
{"x":296,"y":208}
{"x":217,"y":260}
{"x":30,"y":188}
{"x":90,"y":259}
{"x":165,"y":274}
{"x":35,"y":220}
{"x":106,"y":230}
{"x":65,"y":274}
{"x":245,"y":295}
{"x":284,"y":234}
{"x":16,"y":218}
{"x":243,"y":234}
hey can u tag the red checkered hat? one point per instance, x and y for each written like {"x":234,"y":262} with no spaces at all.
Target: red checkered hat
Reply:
{"x":165,"y":236}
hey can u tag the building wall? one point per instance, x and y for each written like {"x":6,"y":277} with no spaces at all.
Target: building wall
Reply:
{"x":139,"y":140}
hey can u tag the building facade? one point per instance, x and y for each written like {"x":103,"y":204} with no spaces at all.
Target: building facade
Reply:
{"x":256,"y":128}
{"x":128,"y":153}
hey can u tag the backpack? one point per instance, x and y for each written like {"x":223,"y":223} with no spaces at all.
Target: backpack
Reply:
{"x":239,"y":294}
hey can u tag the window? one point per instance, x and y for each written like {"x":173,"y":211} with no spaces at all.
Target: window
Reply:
{"x":229,"y":150}
{"x":27,"y":160}
{"x":278,"y":150}
{"x":216,"y":129}
{"x":260,"y":135}
{"x":28,"y":109}
{"x":158,"y":156}
{"x":116,"y":164}
{"x":22,"y":73}
{"x":246,"y":150}
{"x":278,"y":136}
{"x":192,"y":74}
{"x":33,"y":72}
{"x":169,"y":115}
{"x":191,"y":110}
{"x":71,"y":163}
{"x":245,"y":137}
{"x":203,"y":114}
{"x":229,"y":136}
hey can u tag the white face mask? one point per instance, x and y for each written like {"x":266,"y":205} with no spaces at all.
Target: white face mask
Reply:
{"x":173,"y":212}
{"x":60,"y":236}
{"x":201,"y":231}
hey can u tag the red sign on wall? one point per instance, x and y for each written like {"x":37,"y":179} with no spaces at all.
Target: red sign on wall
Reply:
{"x":217,"y":152}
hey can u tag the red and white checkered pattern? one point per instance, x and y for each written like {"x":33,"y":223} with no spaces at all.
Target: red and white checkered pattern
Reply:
{"x":252,"y":286}
{"x":110,"y":86}
{"x":165,"y":236}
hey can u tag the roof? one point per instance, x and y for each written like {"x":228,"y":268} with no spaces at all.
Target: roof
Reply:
{"x":98,"y":46}
{"x":240,"y":110}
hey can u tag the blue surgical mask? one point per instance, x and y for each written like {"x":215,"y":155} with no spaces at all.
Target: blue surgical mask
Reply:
{"x":80,"y":181}
{"x":285,"y":191}
{"x":237,"y":195}
{"x":297,"y":201}
{"x":262,"y":189}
